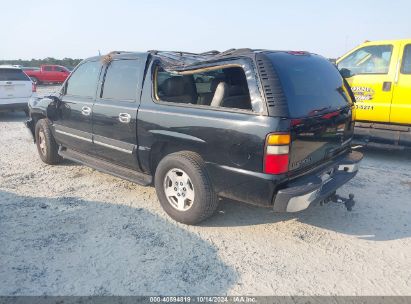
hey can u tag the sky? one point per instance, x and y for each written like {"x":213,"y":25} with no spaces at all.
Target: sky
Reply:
{"x":80,"y":29}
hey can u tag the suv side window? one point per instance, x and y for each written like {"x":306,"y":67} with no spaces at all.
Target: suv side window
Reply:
{"x":218,"y":88}
{"x":368,"y":60}
{"x":83,"y":81}
{"x":406,"y":60}
{"x":121,"y":80}
{"x":47,"y":68}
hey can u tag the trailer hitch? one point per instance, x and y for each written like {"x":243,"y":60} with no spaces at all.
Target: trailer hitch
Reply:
{"x":335,"y":198}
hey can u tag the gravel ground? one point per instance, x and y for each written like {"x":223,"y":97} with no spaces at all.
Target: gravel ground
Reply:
{"x":70,"y":230}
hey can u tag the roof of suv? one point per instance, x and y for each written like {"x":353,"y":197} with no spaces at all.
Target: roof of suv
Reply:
{"x":180,"y":60}
{"x":9,"y":66}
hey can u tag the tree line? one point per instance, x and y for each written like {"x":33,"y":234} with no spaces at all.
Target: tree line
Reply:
{"x":67,"y":62}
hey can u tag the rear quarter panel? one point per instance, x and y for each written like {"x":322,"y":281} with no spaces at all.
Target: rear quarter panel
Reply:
{"x":230,"y":142}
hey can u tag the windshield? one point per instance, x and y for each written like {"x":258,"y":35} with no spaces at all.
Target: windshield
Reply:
{"x":311,"y":84}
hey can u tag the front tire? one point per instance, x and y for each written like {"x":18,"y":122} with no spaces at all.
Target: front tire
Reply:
{"x":184,"y":188}
{"x":46,"y":144}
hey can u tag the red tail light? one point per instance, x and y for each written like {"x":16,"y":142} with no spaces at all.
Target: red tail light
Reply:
{"x":33,"y":87}
{"x":276,"y":155}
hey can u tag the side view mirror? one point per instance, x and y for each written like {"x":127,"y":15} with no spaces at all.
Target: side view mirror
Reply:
{"x":346,"y":73}
{"x":53,"y":107}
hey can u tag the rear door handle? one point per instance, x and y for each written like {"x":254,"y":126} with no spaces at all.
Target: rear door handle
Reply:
{"x":86,"y":111}
{"x":124,"y":117}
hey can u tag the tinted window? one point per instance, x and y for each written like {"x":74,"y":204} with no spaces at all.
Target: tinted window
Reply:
{"x":47,"y":68}
{"x":83,"y":81}
{"x":12,"y":75}
{"x":121,"y":80}
{"x":368,"y":60}
{"x":311,"y":84}
{"x":406,"y":60}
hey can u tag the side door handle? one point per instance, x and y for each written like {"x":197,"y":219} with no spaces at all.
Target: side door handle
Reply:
{"x":386,"y":86}
{"x":86,"y":111}
{"x":124,"y":117}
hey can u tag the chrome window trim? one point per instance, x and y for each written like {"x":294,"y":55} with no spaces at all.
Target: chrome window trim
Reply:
{"x":113,"y":147}
{"x":74,"y":136}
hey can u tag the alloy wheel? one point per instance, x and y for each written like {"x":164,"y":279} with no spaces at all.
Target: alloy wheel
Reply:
{"x":179,"y":189}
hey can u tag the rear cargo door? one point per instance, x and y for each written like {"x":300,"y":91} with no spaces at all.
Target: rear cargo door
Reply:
{"x":319,"y":106}
{"x":14,"y":84}
{"x":318,"y":138}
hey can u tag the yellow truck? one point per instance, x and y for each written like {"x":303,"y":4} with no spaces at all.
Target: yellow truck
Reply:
{"x":379,"y":73}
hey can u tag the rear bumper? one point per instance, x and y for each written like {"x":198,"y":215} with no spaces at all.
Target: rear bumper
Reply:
{"x":14,"y":106}
{"x":317,"y":186}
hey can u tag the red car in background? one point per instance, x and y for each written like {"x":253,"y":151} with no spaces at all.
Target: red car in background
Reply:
{"x":48,"y":74}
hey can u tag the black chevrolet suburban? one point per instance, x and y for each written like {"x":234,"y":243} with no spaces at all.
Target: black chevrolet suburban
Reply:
{"x":271,"y":128}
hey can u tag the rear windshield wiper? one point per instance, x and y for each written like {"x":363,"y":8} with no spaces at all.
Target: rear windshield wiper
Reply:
{"x":317,"y":111}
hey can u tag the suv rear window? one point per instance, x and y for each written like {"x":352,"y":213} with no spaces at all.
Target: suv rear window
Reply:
{"x":13,"y":75}
{"x":310,"y":83}
{"x":222,"y":87}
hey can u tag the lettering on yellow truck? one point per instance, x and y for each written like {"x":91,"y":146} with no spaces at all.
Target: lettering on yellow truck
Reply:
{"x":379,"y":73}
{"x":363,"y":93}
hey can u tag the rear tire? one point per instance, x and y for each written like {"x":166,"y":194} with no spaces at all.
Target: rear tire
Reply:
{"x":46,"y":144}
{"x":183,"y":176}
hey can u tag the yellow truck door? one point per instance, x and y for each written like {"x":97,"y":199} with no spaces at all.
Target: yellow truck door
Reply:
{"x":370,"y":70}
{"x":401,"y":102}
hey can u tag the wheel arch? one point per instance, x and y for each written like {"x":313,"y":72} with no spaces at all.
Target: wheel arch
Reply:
{"x":203,"y":202}
{"x":159,"y":150}
{"x":35,"y":117}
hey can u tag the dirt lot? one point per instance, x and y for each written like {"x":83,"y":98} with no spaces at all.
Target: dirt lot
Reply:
{"x":70,"y":230}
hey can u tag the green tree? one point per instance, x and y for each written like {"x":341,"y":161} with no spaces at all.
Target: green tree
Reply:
{"x":67,"y":62}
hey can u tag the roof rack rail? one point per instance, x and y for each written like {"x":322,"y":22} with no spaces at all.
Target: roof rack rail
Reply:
{"x":234,"y":51}
{"x":213,"y":52}
{"x":109,"y":57}
{"x":118,"y":52}
{"x":182,"y":53}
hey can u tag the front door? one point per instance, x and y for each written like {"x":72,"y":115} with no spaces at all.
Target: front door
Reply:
{"x":401,"y":102}
{"x":73,"y":129}
{"x":115,"y":113}
{"x":60,"y":74}
{"x":370,"y":71}
{"x":49,"y":73}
